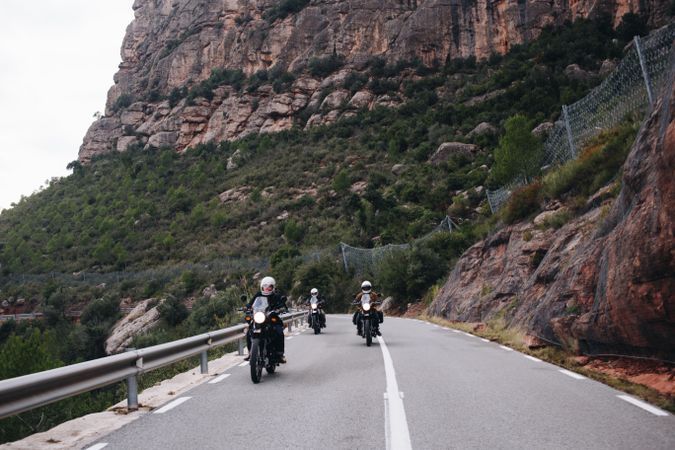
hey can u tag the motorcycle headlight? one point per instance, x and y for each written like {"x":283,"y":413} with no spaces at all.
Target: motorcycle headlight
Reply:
{"x":259,"y":317}
{"x":366,"y":306}
{"x":313,"y":306}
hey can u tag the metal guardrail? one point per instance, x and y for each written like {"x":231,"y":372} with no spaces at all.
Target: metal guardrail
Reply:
{"x":38,"y":389}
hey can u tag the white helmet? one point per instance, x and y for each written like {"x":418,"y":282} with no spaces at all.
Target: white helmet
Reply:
{"x":366,"y":286}
{"x":267,"y":285}
{"x":314,"y":291}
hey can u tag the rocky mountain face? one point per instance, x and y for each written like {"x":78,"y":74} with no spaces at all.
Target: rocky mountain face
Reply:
{"x":174,"y":44}
{"x":604,"y":282}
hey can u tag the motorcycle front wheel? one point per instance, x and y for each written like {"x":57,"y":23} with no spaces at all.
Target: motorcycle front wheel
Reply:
{"x":368,"y":333}
{"x":257,"y":361}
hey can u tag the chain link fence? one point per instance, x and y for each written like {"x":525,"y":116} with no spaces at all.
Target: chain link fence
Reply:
{"x":366,"y":260}
{"x":631,"y":88}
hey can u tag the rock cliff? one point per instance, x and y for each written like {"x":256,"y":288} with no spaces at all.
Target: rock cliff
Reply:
{"x":604,"y":282}
{"x":174,"y":44}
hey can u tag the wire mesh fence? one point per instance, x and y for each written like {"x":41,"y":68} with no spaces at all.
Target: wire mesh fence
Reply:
{"x":366,"y":260}
{"x":631,"y":88}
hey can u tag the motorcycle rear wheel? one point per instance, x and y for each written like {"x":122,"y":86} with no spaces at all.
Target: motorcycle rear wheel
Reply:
{"x":257,"y":361}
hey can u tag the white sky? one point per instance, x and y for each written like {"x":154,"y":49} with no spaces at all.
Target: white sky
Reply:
{"x":57,"y":61}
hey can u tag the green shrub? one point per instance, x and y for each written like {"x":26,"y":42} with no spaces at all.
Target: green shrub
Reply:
{"x":172,"y":311}
{"x":322,"y":67}
{"x":523,"y":202}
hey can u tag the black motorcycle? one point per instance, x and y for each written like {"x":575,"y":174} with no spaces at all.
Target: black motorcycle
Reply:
{"x":263,"y":354}
{"x":315,"y":316}
{"x":367,"y":318}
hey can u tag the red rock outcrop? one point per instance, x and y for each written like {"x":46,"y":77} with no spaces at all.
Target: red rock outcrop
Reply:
{"x":176,"y":43}
{"x":604,"y":282}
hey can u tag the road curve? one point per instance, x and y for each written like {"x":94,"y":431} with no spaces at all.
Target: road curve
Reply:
{"x":455,"y":391}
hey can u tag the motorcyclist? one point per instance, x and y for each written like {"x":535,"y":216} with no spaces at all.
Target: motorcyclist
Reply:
{"x":367,"y":288}
{"x":315,"y":297}
{"x":276,"y":302}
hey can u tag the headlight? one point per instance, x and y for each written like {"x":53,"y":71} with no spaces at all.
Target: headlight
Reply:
{"x":366,"y":306}
{"x":259,"y":317}
{"x":313,"y":306}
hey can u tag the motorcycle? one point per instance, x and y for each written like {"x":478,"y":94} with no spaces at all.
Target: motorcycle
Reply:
{"x":263,"y":354}
{"x":368,"y":317}
{"x":315,"y":316}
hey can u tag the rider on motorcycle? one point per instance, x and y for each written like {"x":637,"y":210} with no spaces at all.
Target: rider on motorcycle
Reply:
{"x":276,"y":302}
{"x":367,"y":288}
{"x":316,"y":298}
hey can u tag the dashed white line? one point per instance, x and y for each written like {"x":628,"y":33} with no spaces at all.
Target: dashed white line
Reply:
{"x":245,"y":363}
{"x":503,"y":347}
{"x":289,"y":338}
{"x":456,"y":331}
{"x":646,"y":406}
{"x":468,"y":334}
{"x":532,"y":358}
{"x":398,"y":436}
{"x":98,"y":446}
{"x":219,"y":378}
{"x":484,"y":340}
{"x":172,"y":405}
{"x":572,"y":374}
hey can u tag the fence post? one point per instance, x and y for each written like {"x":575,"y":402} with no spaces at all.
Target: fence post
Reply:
{"x":568,"y":128}
{"x":645,"y":74}
{"x":132,"y":388}
{"x":344,"y":258}
{"x":204,"y":362}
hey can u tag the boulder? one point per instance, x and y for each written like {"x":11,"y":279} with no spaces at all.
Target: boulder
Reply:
{"x":138,"y":321}
{"x":361,"y":99}
{"x":543,"y":129}
{"x":482,"y":128}
{"x":575,"y":72}
{"x":447,"y":149}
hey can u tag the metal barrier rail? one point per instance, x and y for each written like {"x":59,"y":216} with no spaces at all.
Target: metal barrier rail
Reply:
{"x":38,"y":389}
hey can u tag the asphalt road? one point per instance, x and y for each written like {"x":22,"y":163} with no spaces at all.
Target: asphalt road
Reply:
{"x":421,"y":387}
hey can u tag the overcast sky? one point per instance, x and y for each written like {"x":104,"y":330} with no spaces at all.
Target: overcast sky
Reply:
{"x":57,"y":61}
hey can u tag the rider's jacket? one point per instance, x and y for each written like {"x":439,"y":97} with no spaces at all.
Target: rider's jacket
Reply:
{"x":320,"y":300}
{"x":275,"y":300}
{"x":374,"y":296}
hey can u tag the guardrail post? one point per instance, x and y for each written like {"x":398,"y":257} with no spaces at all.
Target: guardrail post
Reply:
{"x":204,"y":362}
{"x":132,"y":389}
{"x":290,"y":325}
{"x":241,"y":347}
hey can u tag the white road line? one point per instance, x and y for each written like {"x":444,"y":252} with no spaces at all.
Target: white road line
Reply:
{"x":506,"y":348}
{"x":172,"y":405}
{"x":532,"y":358}
{"x":398,"y":437}
{"x":572,"y":374}
{"x":468,"y":334}
{"x":289,"y":338}
{"x":646,"y":406}
{"x":485,"y":340}
{"x":456,"y":331}
{"x":219,"y":378}
{"x":98,"y":446}
{"x":245,"y":363}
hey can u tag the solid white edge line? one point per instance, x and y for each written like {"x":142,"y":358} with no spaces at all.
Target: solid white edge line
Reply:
{"x":97,"y":446}
{"x":245,"y":363}
{"x":485,"y":340}
{"x":220,"y":378}
{"x":646,"y":406}
{"x":506,"y":348}
{"x":532,"y":358}
{"x":397,"y":433}
{"x":572,"y":374}
{"x":172,"y":405}
{"x":456,"y":331}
